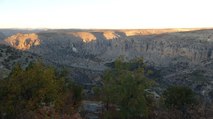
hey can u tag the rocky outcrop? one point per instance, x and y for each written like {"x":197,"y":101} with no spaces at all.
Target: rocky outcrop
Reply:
{"x":109,"y":35}
{"x":23,"y":41}
{"x":85,"y":36}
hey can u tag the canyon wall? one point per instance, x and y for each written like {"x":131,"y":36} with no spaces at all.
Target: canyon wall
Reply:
{"x":93,"y":48}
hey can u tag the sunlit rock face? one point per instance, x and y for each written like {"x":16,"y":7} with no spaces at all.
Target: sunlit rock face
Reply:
{"x":85,"y":36}
{"x":109,"y":35}
{"x":23,"y":41}
{"x":152,"y":31}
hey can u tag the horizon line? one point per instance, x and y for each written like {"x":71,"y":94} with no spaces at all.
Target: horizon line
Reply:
{"x":13,"y":28}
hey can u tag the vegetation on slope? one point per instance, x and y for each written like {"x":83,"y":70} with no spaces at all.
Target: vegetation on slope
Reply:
{"x":37,"y":92}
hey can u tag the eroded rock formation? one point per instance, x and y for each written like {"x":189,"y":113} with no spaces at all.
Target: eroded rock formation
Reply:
{"x":92,"y":49}
{"x":23,"y":41}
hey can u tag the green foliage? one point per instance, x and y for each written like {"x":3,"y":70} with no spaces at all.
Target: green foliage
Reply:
{"x":124,"y":86}
{"x":32,"y":88}
{"x":179,"y":97}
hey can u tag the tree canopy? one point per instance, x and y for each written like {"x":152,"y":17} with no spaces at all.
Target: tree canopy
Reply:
{"x":180,"y":98}
{"x":124,"y":86}
{"x":37,"y":86}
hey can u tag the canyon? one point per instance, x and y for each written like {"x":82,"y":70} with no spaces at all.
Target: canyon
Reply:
{"x":92,"y":49}
{"x":180,"y":56}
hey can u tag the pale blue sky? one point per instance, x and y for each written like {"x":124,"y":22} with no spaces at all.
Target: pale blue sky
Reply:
{"x":105,"y":13}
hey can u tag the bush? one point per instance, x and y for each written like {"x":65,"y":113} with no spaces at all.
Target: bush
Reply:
{"x":180,"y":98}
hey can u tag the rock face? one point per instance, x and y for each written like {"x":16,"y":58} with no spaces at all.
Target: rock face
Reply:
{"x":85,"y":36}
{"x":92,"y":49}
{"x":109,"y":35}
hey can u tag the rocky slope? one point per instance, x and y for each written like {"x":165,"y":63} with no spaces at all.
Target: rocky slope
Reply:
{"x":10,"y":56}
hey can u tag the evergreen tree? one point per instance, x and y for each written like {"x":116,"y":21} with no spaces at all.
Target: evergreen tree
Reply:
{"x":124,"y":87}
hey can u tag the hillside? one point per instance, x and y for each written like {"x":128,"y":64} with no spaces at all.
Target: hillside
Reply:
{"x":10,"y":56}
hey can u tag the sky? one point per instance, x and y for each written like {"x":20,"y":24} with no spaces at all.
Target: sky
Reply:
{"x":106,"y":14}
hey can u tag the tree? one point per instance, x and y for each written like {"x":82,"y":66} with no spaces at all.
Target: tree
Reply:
{"x":180,"y":98}
{"x":124,"y":87}
{"x":37,"y":86}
